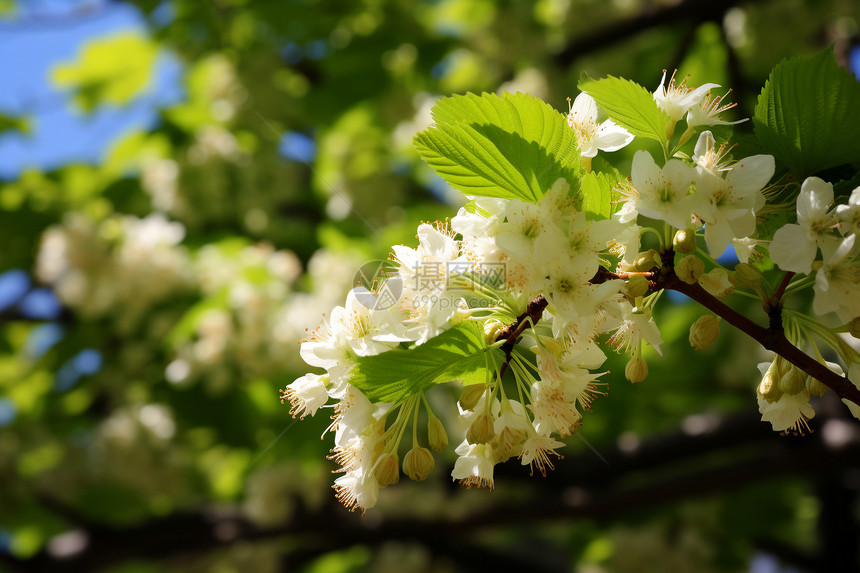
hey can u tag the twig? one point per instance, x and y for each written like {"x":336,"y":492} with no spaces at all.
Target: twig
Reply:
{"x":771,"y":338}
{"x":534,"y":311}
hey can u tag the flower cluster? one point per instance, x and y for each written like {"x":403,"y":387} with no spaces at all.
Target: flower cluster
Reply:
{"x":551,"y":285}
{"x":123,"y":265}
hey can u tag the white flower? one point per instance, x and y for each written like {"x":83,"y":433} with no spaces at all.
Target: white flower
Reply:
{"x":358,"y":488}
{"x":788,"y":414}
{"x":536,"y":452}
{"x":849,"y":215}
{"x":474,"y":467}
{"x":794,"y":246}
{"x":591,"y":136}
{"x":728,"y":205}
{"x":636,"y":327}
{"x":677,"y":99}
{"x":662,"y":193}
{"x":306,"y":395}
{"x":708,"y":110}
{"x":367,"y":331}
{"x":554,"y":411}
{"x":837,"y":283}
{"x":745,"y":249}
{"x":524,"y":222}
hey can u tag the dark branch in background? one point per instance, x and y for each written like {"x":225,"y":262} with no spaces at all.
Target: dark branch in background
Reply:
{"x":696,"y":11}
{"x":711,"y":455}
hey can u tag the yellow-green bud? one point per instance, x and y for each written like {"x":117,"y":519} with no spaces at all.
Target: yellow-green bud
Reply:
{"x":690,"y":268}
{"x":387,"y":470}
{"x":417,"y":463}
{"x":436,"y":434}
{"x":684,"y":241}
{"x":471,"y":394}
{"x":792,"y":382}
{"x":745,"y":276}
{"x":704,"y":331}
{"x":481,"y":431}
{"x":646,"y":261}
{"x":492,"y":330}
{"x":782,"y":366}
{"x":854,"y":327}
{"x":637,"y":285}
{"x":636,"y":370}
{"x":815,"y":386}
{"x":769,"y":386}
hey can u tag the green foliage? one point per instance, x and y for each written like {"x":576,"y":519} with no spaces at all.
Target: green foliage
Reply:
{"x":112,"y":70}
{"x":514,"y":146}
{"x":807,"y":114}
{"x":458,"y":354}
{"x":629,"y":105}
{"x":597,"y":195}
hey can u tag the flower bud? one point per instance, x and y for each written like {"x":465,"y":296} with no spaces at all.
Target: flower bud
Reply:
{"x":792,"y":382}
{"x":646,"y":261}
{"x":769,"y":386}
{"x":417,"y":463}
{"x":854,"y":327}
{"x":637,"y":285}
{"x":815,"y":386}
{"x":481,"y":431}
{"x":684,"y":241}
{"x":471,"y":394}
{"x":636,"y":370}
{"x":690,"y":268}
{"x":436,"y":434}
{"x":746,"y":276}
{"x":387,"y":470}
{"x":492,"y":330}
{"x":704,"y":332}
{"x":782,"y":366}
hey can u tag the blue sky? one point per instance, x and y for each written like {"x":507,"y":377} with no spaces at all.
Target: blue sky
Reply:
{"x":47,"y":33}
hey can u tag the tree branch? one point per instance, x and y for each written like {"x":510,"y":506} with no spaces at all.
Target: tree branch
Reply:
{"x":772,"y":338}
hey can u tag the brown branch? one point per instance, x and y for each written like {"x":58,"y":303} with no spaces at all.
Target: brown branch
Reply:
{"x":780,"y":290}
{"x":772,"y":338}
{"x":531,"y":316}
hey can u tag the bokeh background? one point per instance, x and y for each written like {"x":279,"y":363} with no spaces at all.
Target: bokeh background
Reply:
{"x":187,"y":186}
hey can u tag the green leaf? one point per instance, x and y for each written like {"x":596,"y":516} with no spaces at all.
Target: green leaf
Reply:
{"x":9,"y":123}
{"x":112,"y":70}
{"x":513,"y":146}
{"x":597,"y":195}
{"x":457,"y":354}
{"x":807,"y":114}
{"x":629,"y":105}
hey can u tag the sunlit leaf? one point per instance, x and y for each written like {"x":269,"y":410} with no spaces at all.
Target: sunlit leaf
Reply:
{"x":458,"y":354}
{"x":629,"y":105}
{"x":807,"y":114}
{"x":513,"y":146}
{"x":112,"y":70}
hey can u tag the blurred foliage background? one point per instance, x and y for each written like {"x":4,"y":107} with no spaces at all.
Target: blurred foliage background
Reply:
{"x":188,"y":186}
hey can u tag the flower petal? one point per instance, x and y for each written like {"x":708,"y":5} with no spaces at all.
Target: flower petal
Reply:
{"x":791,"y":249}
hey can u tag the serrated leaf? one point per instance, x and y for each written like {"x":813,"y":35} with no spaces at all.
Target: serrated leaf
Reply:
{"x":459,"y":354}
{"x":596,"y":195}
{"x":613,"y":179}
{"x":629,"y":105}
{"x":807,"y":114}
{"x":513,"y":146}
